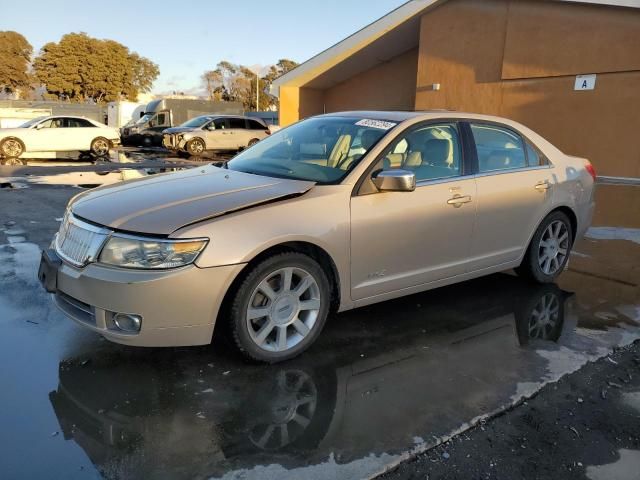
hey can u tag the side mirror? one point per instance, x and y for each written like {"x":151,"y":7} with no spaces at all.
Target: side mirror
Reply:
{"x":395,"y":181}
{"x":39,"y":126}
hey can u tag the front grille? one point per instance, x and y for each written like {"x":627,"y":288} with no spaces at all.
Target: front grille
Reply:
{"x":78,"y":242}
{"x":169,"y":140}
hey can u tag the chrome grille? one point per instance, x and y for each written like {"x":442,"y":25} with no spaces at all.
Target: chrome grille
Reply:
{"x":169,"y":140}
{"x":78,"y":242}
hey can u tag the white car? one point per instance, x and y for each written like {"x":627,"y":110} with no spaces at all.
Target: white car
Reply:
{"x":58,"y":134}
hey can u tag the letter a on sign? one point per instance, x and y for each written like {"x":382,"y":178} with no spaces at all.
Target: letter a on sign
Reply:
{"x":585,"y":82}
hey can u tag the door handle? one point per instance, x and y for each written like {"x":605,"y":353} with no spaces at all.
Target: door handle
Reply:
{"x":457,"y":200}
{"x":542,"y":186}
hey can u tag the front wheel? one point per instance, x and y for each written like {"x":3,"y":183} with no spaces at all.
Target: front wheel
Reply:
{"x":280,"y":307}
{"x":100,"y":147}
{"x":549,"y":249}
{"x":196,"y":147}
{"x":11,"y":148}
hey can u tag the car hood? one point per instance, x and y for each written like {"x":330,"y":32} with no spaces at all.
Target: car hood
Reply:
{"x":163,"y":204}
{"x":178,"y":130}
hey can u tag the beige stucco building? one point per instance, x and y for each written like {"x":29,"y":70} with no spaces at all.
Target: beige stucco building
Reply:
{"x":515,"y":58}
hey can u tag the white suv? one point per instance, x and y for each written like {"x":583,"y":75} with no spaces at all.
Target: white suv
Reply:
{"x":58,"y":134}
{"x":215,"y":132}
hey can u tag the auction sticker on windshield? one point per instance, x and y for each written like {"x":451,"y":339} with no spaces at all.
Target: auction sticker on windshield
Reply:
{"x":380,"y":124}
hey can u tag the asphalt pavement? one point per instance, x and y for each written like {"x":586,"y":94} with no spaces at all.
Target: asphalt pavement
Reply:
{"x":385,"y":384}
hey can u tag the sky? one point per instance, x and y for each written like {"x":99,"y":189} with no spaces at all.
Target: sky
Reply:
{"x":186,"y":38}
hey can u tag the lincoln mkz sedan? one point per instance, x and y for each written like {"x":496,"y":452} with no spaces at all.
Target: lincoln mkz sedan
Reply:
{"x":332,"y":213}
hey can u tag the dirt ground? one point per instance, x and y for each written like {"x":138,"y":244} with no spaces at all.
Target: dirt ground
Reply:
{"x":585,"y":426}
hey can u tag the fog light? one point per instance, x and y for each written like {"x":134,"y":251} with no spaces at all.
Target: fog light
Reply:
{"x":127,"y":322}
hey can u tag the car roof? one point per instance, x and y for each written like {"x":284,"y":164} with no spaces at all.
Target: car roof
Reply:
{"x":401,"y":115}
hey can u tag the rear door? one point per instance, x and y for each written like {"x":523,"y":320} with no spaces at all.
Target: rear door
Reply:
{"x":514,"y":191}
{"x":79,"y":133}
{"x":256,"y":130}
{"x":239,"y":135}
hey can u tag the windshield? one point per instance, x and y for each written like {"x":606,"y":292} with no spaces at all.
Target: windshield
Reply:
{"x":321,"y":149}
{"x":145,"y":118}
{"x":31,"y":122}
{"x":196,"y":122}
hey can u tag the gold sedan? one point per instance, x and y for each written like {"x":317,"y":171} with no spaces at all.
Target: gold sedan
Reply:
{"x":332,"y":213}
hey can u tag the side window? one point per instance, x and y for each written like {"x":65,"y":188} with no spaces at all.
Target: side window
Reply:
{"x":45,"y":124}
{"x":498,"y":148}
{"x":253,"y":125}
{"x":161,"y":120}
{"x":431,"y":152}
{"x":218,"y":124}
{"x":535,"y":157}
{"x":78,"y":123}
{"x":237,"y":123}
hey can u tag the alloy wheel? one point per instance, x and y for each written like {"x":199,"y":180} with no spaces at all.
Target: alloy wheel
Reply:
{"x":196,"y":147}
{"x":283,"y":309}
{"x":554,"y":247}
{"x":11,"y":148}
{"x":100,"y":147}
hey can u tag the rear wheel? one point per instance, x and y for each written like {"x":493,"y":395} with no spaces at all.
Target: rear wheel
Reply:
{"x":100,"y":146}
{"x":280,"y":307}
{"x":11,"y":148}
{"x":549,"y":250}
{"x":196,"y":146}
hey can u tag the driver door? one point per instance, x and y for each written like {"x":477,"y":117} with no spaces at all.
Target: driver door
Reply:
{"x":401,"y":240}
{"x":217,"y":135}
{"x":47,"y":136}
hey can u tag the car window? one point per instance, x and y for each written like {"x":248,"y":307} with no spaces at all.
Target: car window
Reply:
{"x":498,"y":148}
{"x":237,"y":123}
{"x":52,"y":123}
{"x":320,"y":149}
{"x":431,"y":152}
{"x":535,"y":157}
{"x":218,"y":124}
{"x":78,"y":123}
{"x":162,"y":120}
{"x":253,"y":125}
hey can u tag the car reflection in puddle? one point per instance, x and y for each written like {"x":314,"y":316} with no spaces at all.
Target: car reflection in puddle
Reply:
{"x":379,"y":380}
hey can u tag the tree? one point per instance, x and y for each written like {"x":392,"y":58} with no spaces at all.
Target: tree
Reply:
{"x":81,"y":68}
{"x":15,"y":55}
{"x":238,"y":83}
{"x":283,"y":66}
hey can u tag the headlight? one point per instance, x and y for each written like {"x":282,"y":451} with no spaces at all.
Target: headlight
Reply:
{"x":150,"y":253}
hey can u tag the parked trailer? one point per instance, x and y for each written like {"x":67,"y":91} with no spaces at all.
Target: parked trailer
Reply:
{"x":120,"y":114}
{"x":171,"y":112}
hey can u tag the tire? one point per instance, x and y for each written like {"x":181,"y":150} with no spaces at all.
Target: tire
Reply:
{"x":100,"y":146}
{"x":276,"y":312}
{"x":196,"y":147}
{"x":147,"y":141}
{"x":548,"y":253}
{"x":252,"y":142}
{"x":11,"y":147}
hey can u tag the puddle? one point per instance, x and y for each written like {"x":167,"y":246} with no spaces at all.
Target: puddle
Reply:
{"x":382,"y":383}
{"x":626,"y":468}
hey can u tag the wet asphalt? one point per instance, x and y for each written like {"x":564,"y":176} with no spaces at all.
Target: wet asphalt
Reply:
{"x":383,"y":383}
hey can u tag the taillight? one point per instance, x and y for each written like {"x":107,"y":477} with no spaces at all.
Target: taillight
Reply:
{"x":592,"y":171}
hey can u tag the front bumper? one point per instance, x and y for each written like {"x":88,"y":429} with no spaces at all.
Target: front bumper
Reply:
{"x":178,"y":307}
{"x":173,"y":142}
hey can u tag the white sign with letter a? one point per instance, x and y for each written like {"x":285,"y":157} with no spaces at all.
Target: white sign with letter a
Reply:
{"x":585,"y":82}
